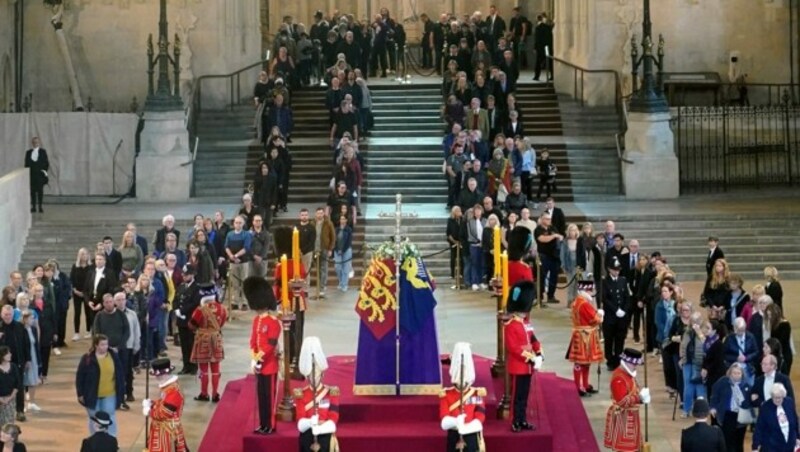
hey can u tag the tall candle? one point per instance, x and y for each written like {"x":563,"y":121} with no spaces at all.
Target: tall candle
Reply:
{"x":296,"y":254}
{"x":504,"y":276}
{"x":284,"y":285}
{"x":497,"y":251}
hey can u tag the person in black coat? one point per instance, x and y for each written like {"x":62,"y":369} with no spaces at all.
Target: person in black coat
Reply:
{"x":773,"y":286}
{"x":14,"y":336}
{"x":543,"y":39}
{"x":188,"y":299}
{"x":113,"y":257}
{"x":559,"y":220}
{"x":87,"y":380}
{"x":769,"y":364}
{"x":702,"y":437}
{"x":101,"y":440}
{"x":617,"y":305}
{"x":769,"y":436}
{"x":455,"y":229}
{"x":97,"y":286}
{"x":37,"y":162}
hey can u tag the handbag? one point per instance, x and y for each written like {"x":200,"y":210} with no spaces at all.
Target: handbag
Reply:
{"x":745,"y":416}
{"x":502,"y":193}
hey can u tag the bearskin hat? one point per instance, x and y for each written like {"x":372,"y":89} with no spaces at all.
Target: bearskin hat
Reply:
{"x":259,"y":294}
{"x":520,"y":240}
{"x":521,"y":296}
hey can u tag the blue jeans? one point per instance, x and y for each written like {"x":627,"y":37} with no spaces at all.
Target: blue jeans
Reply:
{"x":343,"y":266}
{"x":691,"y":390}
{"x":475,"y":265}
{"x":550,"y":267}
{"x":109,"y":405}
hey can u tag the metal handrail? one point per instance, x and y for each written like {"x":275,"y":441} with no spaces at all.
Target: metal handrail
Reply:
{"x":235,"y":92}
{"x":619,"y":103}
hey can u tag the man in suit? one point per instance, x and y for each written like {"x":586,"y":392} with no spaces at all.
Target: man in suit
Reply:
{"x":477,"y":119}
{"x":509,"y":66}
{"x":559,"y":220}
{"x":740,"y":346}
{"x":762,"y":389}
{"x":617,"y":305}
{"x":113,"y":257}
{"x":100,"y":280}
{"x":620,"y":252}
{"x":494,"y":116}
{"x":37,"y":162}
{"x":495,"y":26}
{"x":776,"y":427}
{"x":702,"y":437}
{"x":714,"y":254}
{"x":543,"y":36}
{"x":514,"y":126}
{"x":100,"y":440}
{"x":141,"y":241}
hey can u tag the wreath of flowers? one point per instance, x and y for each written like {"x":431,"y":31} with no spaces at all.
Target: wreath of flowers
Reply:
{"x":387,"y":250}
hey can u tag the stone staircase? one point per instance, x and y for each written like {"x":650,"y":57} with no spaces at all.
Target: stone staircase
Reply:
{"x":591,"y":152}
{"x":61,"y":239}
{"x":750,"y":242}
{"x":228,"y":154}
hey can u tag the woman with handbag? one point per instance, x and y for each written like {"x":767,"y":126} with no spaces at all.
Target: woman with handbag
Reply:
{"x":730,"y":407}
{"x":691,"y":363}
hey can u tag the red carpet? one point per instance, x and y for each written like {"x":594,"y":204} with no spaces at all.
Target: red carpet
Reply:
{"x":411,"y":423}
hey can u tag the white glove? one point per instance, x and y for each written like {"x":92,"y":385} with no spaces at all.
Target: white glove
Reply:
{"x":474,"y":426}
{"x":449,"y":422}
{"x":460,"y":420}
{"x":253,"y":364}
{"x":315,"y":419}
{"x":601,"y":313}
{"x":644,"y":395}
{"x":303,"y":424}
{"x":146,"y":405}
{"x":324,"y":428}
{"x":620,"y":313}
{"x":537,"y":362}
{"x":179,"y":315}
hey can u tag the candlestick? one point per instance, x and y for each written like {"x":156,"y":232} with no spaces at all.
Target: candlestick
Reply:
{"x":496,"y":248}
{"x":504,"y":277}
{"x":296,"y":254}
{"x":285,"y":285}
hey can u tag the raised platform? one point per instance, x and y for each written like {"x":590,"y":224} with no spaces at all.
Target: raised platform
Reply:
{"x":395,"y":424}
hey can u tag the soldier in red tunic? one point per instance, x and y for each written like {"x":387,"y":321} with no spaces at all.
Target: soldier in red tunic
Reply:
{"x":462,"y":407}
{"x":208,"y":351}
{"x":166,"y":432}
{"x":584,"y":346}
{"x":264,"y":348}
{"x":283,"y":245}
{"x":519,"y":247}
{"x":523,"y":351}
{"x":623,"y":431}
{"x":317,"y":405}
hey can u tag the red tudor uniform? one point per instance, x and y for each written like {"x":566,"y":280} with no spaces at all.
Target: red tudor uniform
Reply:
{"x":327,"y":409}
{"x":522,"y":348}
{"x":584,"y":346}
{"x":474,"y":408}
{"x":623,"y":432}
{"x":208,"y":350}
{"x":166,"y":431}
{"x":264,"y":347}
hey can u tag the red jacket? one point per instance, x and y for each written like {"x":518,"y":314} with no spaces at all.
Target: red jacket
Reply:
{"x":264,"y":342}
{"x":474,"y":404}
{"x":521,"y":346}
{"x":327,"y":403}
{"x":519,"y":271}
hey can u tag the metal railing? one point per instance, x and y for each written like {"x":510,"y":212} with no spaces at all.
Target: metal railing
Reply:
{"x":234,"y":87}
{"x":579,"y":75}
{"x":720,"y":148}
{"x":733,"y":94}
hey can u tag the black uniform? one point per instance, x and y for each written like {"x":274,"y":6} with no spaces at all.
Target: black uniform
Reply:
{"x":38,"y":179}
{"x":188,"y":297}
{"x":615,"y":297}
{"x":544,"y":38}
{"x":100,"y":441}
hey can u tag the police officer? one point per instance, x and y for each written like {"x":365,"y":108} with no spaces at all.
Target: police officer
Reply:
{"x":616,"y":304}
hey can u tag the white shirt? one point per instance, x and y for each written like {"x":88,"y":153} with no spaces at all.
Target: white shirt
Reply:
{"x":35,"y":154}
{"x":769,"y":380}
{"x":783,"y":422}
{"x":98,"y":275}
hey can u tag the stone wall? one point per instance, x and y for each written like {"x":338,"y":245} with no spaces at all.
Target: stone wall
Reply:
{"x":14,"y":209}
{"x":700,"y":36}
{"x":107,"y":41}
{"x":6,"y":54}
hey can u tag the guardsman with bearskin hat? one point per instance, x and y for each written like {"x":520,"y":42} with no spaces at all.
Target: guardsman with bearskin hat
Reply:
{"x":623,"y":429}
{"x":520,"y":240}
{"x":462,"y":407}
{"x":523,"y":351}
{"x":165,"y":433}
{"x":264,"y":338}
{"x":317,"y":405}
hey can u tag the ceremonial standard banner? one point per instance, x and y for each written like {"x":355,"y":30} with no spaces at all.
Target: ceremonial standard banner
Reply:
{"x":378,"y":370}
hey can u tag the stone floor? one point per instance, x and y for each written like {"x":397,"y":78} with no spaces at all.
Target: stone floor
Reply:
{"x":461,"y":316}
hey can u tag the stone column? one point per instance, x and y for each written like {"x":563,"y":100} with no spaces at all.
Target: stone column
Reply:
{"x":164,"y":147}
{"x":650,"y":145}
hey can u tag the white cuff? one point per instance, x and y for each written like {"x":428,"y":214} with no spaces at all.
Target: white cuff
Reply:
{"x":620,"y":313}
{"x":303,"y":424}
{"x":537,"y":362}
{"x":449,"y":422}
{"x":474,"y":426}
{"x":325,"y":428}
